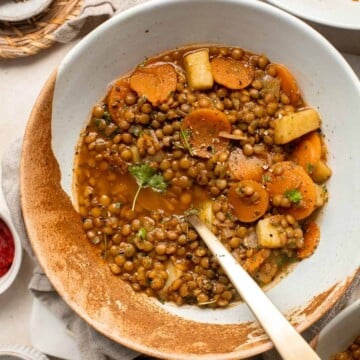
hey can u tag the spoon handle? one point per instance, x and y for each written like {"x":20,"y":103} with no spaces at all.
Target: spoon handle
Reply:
{"x":287,"y":341}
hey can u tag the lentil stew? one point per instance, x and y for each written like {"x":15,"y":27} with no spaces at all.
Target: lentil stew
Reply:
{"x":213,"y":130}
{"x":351,"y":353}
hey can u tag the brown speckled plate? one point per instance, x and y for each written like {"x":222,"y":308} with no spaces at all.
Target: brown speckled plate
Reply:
{"x":110,"y":305}
{"x":83,"y":279}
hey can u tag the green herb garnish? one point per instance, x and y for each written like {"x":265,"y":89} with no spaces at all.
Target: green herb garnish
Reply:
{"x":146,"y":176}
{"x":309,"y":168}
{"x":136,"y":130}
{"x":266,"y":179}
{"x":106,"y":116}
{"x":142,"y":233}
{"x":294,"y":195}
{"x":191,"y":211}
{"x":185,"y":135}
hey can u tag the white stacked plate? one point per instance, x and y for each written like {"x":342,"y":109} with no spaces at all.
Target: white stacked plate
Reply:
{"x":343,"y":14}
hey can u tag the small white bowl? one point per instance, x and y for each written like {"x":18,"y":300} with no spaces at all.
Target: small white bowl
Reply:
{"x":340,"y":332}
{"x":7,"y":280}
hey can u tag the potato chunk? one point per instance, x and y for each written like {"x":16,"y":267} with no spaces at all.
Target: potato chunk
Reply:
{"x":268,"y":234}
{"x":321,"y":195}
{"x":321,"y":172}
{"x":198,"y":70}
{"x":292,"y":126}
{"x":206,"y":213}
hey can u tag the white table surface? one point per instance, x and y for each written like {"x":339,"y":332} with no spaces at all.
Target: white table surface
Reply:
{"x":20,"y":82}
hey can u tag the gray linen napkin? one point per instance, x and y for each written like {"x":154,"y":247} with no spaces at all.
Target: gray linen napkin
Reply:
{"x":92,"y":14}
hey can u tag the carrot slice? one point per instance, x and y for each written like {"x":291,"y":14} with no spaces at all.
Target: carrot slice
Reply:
{"x":231,"y":73}
{"x":155,"y":82}
{"x":292,"y":178}
{"x":201,"y":129}
{"x":311,"y":241}
{"x":116,"y":98}
{"x":288,"y":84}
{"x":248,"y":208}
{"x":253,"y":263}
{"x":246,"y":167}
{"x":307,"y":152}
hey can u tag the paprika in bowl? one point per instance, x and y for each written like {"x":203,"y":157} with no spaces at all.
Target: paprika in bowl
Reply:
{"x":10,"y":252}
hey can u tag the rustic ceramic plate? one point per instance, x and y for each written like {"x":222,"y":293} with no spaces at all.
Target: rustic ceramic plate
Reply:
{"x":336,"y":13}
{"x":55,"y":229}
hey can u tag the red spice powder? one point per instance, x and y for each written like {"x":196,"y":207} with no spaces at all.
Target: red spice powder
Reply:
{"x":7,"y":248}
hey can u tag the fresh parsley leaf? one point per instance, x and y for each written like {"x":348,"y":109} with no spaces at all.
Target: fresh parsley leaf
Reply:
{"x":185,"y":135}
{"x":146,"y":176}
{"x":142,"y":173}
{"x":157,"y":183}
{"x":294,"y":195}
{"x":142,"y":233}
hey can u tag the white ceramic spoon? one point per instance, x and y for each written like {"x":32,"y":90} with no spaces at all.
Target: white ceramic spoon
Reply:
{"x":287,"y":341}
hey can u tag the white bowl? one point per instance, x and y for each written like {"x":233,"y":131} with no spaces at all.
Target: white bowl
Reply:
{"x":7,"y":280}
{"x":328,"y":83}
{"x":343,"y":14}
{"x":340,"y":332}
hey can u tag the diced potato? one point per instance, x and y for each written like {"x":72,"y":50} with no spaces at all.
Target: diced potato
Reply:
{"x":206,"y":213}
{"x":321,"y":195}
{"x":173,"y":273}
{"x":198,"y":70}
{"x":292,"y":126}
{"x":268,"y":234}
{"x":321,"y":172}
